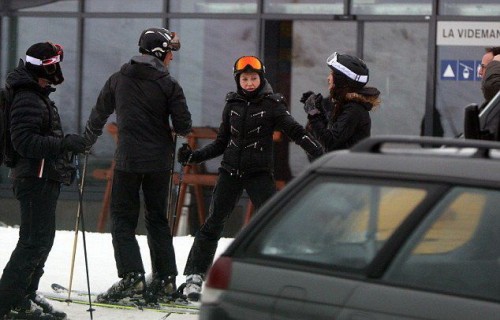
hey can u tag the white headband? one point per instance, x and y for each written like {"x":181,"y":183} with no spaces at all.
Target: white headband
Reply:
{"x":332,"y":61}
{"x":38,"y":62}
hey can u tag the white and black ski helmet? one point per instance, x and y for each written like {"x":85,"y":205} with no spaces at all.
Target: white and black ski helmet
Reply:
{"x":349,"y":71}
{"x":43,"y":60}
{"x":158,"y":41}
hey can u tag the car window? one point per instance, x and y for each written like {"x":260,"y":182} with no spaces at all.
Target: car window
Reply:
{"x":456,"y":249}
{"x":339,"y":223}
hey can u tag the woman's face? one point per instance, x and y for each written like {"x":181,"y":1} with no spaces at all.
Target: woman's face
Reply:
{"x":331,"y":82}
{"x":249,"y":81}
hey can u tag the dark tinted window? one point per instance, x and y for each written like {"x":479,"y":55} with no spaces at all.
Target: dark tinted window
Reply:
{"x":456,"y":249}
{"x":339,"y":223}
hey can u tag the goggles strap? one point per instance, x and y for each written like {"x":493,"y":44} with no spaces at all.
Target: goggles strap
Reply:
{"x":332,"y":61}
{"x":38,"y":62}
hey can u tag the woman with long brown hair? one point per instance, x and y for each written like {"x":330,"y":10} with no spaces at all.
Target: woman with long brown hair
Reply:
{"x":348,"y":121}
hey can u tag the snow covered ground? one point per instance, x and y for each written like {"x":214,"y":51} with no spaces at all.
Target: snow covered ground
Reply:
{"x":102,"y":270}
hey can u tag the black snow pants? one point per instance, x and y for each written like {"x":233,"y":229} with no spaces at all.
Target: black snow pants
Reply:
{"x":228,"y":189}
{"x":21,"y":276}
{"x":125,"y":210}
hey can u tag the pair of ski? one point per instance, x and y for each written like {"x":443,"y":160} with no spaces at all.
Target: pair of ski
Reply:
{"x":181,"y":306}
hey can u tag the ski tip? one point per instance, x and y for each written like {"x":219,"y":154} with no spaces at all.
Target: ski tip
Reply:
{"x":56,"y":286}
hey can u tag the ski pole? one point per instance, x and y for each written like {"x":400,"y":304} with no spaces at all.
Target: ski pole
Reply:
{"x":79,"y":218}
{"x":75,"y":238}
{"x":80,"y":196}
{"x":181,"y":177}
{"x":171,"y":181}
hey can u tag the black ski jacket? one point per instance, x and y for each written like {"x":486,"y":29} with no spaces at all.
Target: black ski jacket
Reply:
{"x":144,"y":97}
{"x":351,"y":126}
{"x":245,"y":135}
{"x":36,"y":131}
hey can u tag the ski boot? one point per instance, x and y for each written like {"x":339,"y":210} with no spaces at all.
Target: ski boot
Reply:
{"x":132,"y":285}
{"x":40,"y":301}
{"x":160,"y":289}
{"x":28,"y":310}
{"x":192,"y":290}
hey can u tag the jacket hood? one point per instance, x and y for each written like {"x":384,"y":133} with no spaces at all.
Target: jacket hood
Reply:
{"x":20,"y":77}
{"x":368,"y":102}
{"x":265,"y":90}
{"x":145,"y":67}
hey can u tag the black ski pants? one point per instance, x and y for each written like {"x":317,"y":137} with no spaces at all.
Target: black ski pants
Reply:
{"x":21,"y":276}
{"x":228,"y":189}
{"x":125,"y":210}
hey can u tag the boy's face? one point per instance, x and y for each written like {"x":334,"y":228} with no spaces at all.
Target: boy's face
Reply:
{"x":249,"y":81}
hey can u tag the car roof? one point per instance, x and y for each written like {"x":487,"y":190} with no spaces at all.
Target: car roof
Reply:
{"x":443,"y":159}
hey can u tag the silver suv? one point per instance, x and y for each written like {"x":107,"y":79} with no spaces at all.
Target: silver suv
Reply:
{"x":395,"y":228}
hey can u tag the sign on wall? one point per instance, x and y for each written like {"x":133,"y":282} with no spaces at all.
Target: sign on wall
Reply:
{"x":468,"y":33}
{"x":460,"y":70}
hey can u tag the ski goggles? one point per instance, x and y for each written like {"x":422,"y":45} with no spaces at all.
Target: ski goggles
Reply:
{"x":58,"y":49}
{"x":248,"y":62}
{"x":175,"y":42}
{"x":332,"y":62}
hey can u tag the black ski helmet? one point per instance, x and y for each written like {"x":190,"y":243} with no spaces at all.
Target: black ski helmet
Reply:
{"x":43,"y":61}
{"x":158,"y":41}
{"x":349,"y":71}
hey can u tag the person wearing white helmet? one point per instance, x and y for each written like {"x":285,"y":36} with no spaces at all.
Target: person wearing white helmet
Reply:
{"x":348,"y":121}
{"x":40,"y":158}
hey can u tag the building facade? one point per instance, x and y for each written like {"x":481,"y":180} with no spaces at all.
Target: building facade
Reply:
{"x":422,"y":54}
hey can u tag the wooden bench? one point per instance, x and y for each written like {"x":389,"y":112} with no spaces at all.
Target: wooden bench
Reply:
{"x":192,"y":176}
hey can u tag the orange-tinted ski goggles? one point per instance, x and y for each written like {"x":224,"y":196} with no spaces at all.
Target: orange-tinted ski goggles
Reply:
{"x":248,"y":62}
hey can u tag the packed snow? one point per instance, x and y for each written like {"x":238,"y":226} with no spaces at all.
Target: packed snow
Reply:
{"x":102,"y":270}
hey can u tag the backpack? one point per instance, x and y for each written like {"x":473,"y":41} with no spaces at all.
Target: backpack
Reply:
{"x":7,"y":154}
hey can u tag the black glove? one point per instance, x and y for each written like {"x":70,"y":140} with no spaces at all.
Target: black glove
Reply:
{"x":184,"y":154}
{"x":305,"y":95}
{"x":74,"y":143}
{"x":313,"y":105}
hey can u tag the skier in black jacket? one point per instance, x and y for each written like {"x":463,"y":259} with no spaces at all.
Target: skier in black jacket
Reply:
{"x":349,"y":120}
{"x":144,"y":96}
{"x":41,"y":162}
{"x":245,"y":138}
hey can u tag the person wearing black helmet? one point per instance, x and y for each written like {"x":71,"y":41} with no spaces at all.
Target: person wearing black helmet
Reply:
{"x":144,"y":96}
{"x":40,"y":162}
{"x":245,"y":139}
{"x":349,"y":120}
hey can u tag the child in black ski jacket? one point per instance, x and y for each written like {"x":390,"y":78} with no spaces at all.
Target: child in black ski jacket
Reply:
{"x":350,"y":101}
{"x":245,"y":139}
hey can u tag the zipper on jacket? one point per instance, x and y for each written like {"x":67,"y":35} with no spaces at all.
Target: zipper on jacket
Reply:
{"x":255,"y":130}
{"x":261,"y":114}
{"x":254,"y":145}
{"x":234,"y":129}
{"x":231,"y":142}
{"x":243,"y":135}
{"x":310,"y":140}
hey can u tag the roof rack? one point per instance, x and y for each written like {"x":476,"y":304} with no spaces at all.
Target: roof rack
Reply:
{"x":374,"y":144}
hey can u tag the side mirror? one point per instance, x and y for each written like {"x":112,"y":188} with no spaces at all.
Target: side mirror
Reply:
{"x":471,"y":122}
